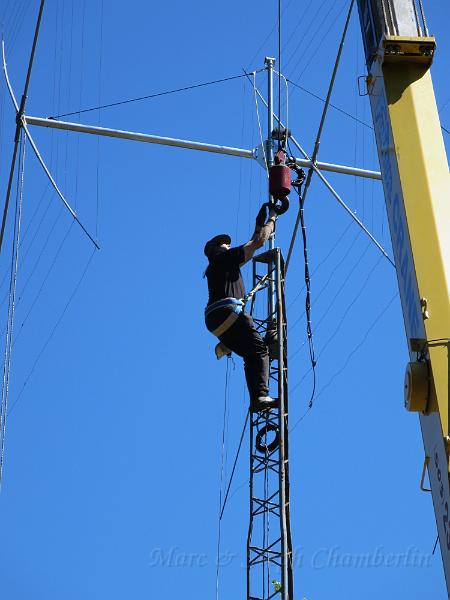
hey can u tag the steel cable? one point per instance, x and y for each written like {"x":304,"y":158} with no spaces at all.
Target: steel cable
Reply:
{"x":333,"y":335}
{"x":331,"y":105}
{"x":38,"y":259}
{"x":350,"y":249}
{"x":222,"y":467}
{"x":98,"y":117}
{"x":234,"y":466}
{"x":52,"y":332}
{"x":149,"y":96}
{"x":304,"y":38}
{"x":11,"y":303}
{"x":300,"y":20}
{"x":259,"y":121}
{"x":320,"y":128}
{"x":269,"y":34}
{"x":20,"y":111}
{"x":279,"y":69}
{"x":321,"y":263}
{"x":44,"y":281}
{"x":342,"y":287}
{"x":314,"y":52}
{"x":349,"y":356}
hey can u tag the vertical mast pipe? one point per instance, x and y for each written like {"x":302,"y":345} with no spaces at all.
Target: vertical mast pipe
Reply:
{"x":269,"y":62}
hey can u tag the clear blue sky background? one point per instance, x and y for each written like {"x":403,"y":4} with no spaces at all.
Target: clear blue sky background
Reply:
{"x":112,"y":472}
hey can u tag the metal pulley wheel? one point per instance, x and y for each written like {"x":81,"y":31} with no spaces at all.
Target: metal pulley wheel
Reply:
{"x":417,"y":385}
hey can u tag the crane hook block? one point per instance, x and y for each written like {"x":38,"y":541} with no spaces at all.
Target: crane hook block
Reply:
{"x":279,"y":177}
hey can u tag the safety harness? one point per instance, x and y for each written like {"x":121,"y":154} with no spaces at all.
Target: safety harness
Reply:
{"x":236,"y":306}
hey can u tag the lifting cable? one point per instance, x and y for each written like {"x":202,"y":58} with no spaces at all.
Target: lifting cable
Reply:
{"x":279,"y":69}
{"x":300,"y":216}
{"x":281,"y":143}
{"x":319,"y":131}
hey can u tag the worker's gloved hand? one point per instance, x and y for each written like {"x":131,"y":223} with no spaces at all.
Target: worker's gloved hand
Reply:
{"x":300,"y":176}
{"x":261,"y":217}
{"x":281,"y":208}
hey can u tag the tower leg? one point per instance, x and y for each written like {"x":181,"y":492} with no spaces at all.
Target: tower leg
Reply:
{"x":269,"y":546}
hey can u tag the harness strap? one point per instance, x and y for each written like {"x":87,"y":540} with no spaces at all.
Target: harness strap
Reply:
{"x":236,"y":306}
{"x":250,"y":295}
{"x":226,"y":324}
{"x":232,"y":303}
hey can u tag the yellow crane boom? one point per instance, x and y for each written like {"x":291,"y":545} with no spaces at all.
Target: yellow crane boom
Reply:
{"x":416,"y":184}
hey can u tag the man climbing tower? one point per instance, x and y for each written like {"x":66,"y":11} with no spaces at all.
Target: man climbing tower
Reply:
{"x":224,"y":314}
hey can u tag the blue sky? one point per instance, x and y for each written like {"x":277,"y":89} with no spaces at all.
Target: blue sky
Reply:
{"x":112,"y":470}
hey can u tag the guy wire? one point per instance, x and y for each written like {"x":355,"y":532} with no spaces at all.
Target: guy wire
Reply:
{"x":222,"y":466}
{"x":12,"y":301}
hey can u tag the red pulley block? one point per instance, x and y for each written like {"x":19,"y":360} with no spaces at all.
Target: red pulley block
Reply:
{"x":279,"y":177}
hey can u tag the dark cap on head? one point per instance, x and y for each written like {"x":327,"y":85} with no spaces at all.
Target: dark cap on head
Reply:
{"x":217,"y":240}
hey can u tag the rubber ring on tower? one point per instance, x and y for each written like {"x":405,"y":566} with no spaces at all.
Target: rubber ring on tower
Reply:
{"x":264,"y":447}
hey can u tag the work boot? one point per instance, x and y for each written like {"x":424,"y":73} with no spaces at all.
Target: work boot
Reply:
{"x":263,"y":403}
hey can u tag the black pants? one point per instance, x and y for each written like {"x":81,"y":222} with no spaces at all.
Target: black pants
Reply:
{"x":243,"y":339}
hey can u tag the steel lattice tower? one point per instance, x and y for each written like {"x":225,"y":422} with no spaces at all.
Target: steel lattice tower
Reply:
{"x":269,"y":546}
